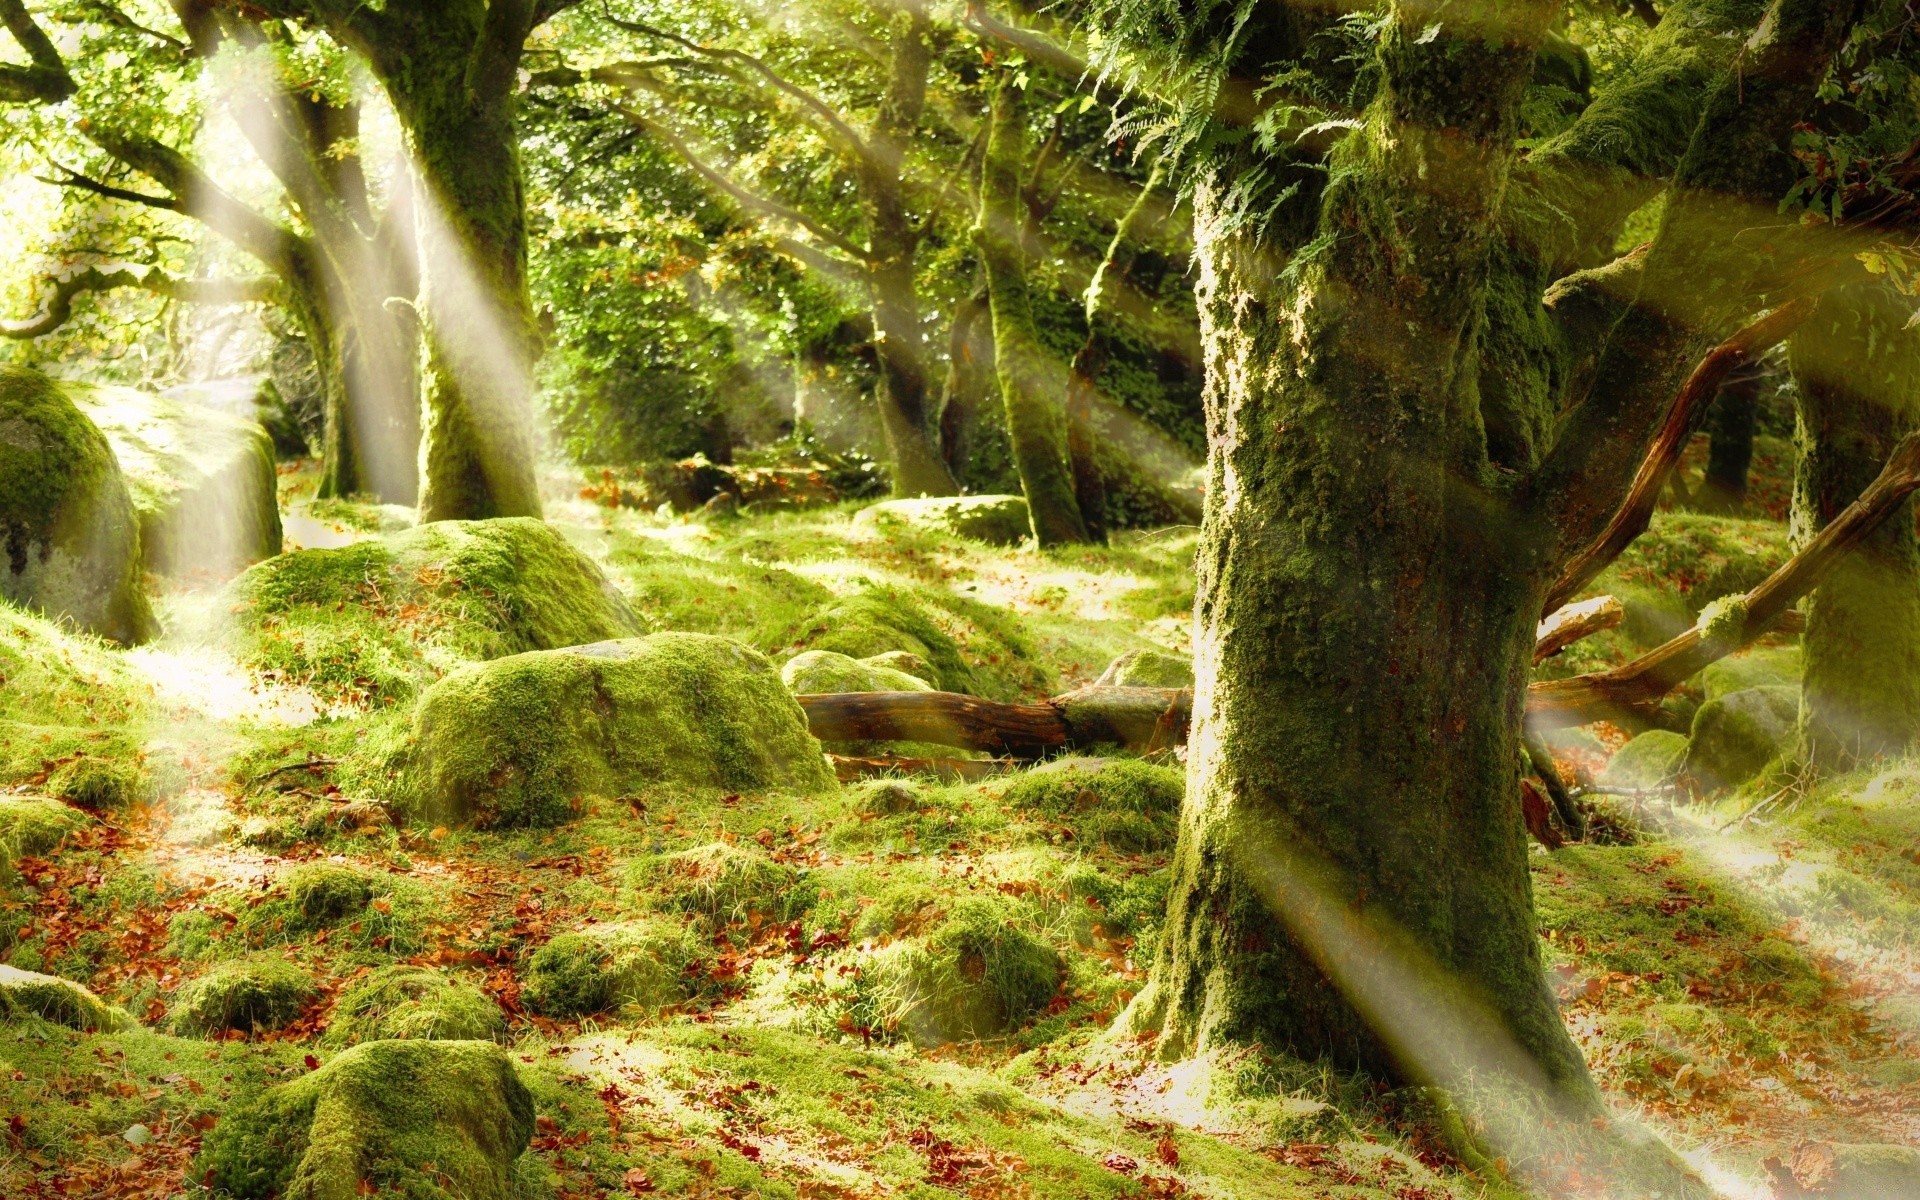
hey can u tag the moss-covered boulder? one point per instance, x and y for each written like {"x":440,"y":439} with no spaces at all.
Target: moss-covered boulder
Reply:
{"x":425,"y":1120}
{"x":376,"y":621}
{"x":203,"y":481}
{"x":68,"y":532}
{"x":248,"y":995}
{"x":978,"y":974}
{"x":997,"y":520}
{"x":322,"y":893}
{"x":62,"y":1001}
{"x":35,"y":824}
{"x":880,"y":621}
{"x":1148,"y":668}
{"x":721,"y":882}
{"x":1122,"y":803}
{"x":1762,"y":666}
{"x":520,"y":740}
{"x":816,"y":672}
{"x":1740,"y":733}
{"x":602,"y":967}
{"x":904,"y":661}
{"x":68,"y":697}
{"x":1649,"y":760}
{"x":256,"y":399}
{"x":403,"y":1001}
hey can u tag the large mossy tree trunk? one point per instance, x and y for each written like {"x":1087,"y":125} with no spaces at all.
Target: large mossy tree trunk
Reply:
{"x":893,"y":244}
{"x":1857,"y":370}
{"x":1036,"y":410}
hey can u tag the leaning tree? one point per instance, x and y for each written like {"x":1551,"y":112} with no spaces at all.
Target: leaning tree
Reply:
{"x":1430,"y":383}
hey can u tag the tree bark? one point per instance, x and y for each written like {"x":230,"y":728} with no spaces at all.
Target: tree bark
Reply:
{"x":1858,"y":373}
{"x":1730,"y":426}
{"x":1036,"y":420}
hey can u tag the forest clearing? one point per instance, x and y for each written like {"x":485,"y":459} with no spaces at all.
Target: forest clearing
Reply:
{"x":869,"y":598}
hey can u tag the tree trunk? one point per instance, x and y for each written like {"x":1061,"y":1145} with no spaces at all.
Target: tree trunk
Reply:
{"x":478,"y":449}
{"x":893,"y":244}
{"x":1858,"y":374}
{"x":1730,"y":425}
{"x":1036,"y":421}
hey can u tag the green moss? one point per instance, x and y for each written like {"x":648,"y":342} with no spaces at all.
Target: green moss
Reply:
{"x":996,"y":520}
{"x":1737,"y":735}
{"x":375,"y":621}
{"x":64,"y":696}
{"x":1148,"y":668}
{"x":823,"y":671}
{"x":1651,"y":759}
{"x":1122,"y":802}
{"x":1760,"y":666}
{"x":976,"y":975}
{"x":99,"y":783}
{"x":968,"y":647}
{"x":35,"y":824}
{"x":62,"y":1001}
{"x":602,"y":967}
{"x":252,"y":994}
{"x":404,"y":1001}
{"x":421,"y":1119}
{"x":721,"y":882}
{"x":323,"y":893}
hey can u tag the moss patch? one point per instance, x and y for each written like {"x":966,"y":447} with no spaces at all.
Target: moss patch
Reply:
{"x":1148,"y":668}
{"x":996,"y":520}
{"x":977,"y":974}
{"x":403,"y":1001}
{"x":247,"y":995}
{"x":62,"y":1001}
{"x":322,"y":893}
{"x":643,"y":963}
{"x":721,"y":883}
{"x":1122,"y":803}
{"x":818,"y":672}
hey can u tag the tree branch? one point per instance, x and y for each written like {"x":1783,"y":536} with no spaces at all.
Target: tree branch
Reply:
{"x":86,"y":183}
{"x":58,"y":309}
{"x":1684,"y":415}
{"x":46,"y":80}
{"x":1632,"y":689}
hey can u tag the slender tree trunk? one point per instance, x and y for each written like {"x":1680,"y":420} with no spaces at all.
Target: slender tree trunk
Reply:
{"x":1730,"y":426}
{"x":1858,"y":374}
{"x":904,"y":392}
{"x":1036,"y":420}
{"x":969,"y":385}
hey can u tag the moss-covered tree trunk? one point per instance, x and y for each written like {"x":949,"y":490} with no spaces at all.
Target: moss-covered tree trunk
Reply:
{"x":1857,"y":370}
{"x":1730,"y":426}
{"x":893,"y":243}
{"x":1036,"y":410}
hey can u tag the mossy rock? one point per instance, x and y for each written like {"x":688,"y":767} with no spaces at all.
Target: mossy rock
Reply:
{"x":70,"y":536}
{"x":904,"y":661}
{"x":323,"y":893}
{"x":820,"y":672}
{"x":33,"y":825}
{"x":62,"y":1001}
{"x":427,"y":1120}
{"x":203,"y":481}
{"x":886,"y":797}
{"x":880,"y":621}
{"x":605,"y":967}
{"x":256,"y":399}
{"x":976,"y":975}
{"x":1649,"y":760}
{"x":248,"y":995}
{"x":1775,"y":666}
{"x":519,"y":741}
{"x":1123,"y":803}
{"x":1148,"y":668}
{"x":100,"y":783}
{"x":64,"y":697}
{"x":402,"y":1001}
{"x":376,"y":621}
{"x":996,"y":520}
{"x":721,"y":882}
{"x":1737,"y":735}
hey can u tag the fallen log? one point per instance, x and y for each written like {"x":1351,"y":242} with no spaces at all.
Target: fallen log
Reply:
{"x":1138,"y":718}
{"x":851,"y":767}
{"x":1632,"y":690}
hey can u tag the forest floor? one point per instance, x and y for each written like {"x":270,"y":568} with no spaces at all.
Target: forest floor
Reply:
{"x":1748,"y":988}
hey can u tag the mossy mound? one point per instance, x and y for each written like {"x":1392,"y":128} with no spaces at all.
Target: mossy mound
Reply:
{"x":1122,"y":803}
{"x":65,"y":696}
{"x":1859,"y":1172}
{"x":33,"y":825}
{"x":1649,"y":760}
{"x":203,"y":481}
{"x":62,"y":1001}
{"x":323,"y":893}
{"x":976,"y":975}
{"x":603,"y":967}
{"x":819,"y":672}
{"x":101,"y":783}
{"x":376,"y":621}
{"x":422,"y":1119}
{"x":1737,"y":735}
{"x":519,"y":741}
{"x":249,"y":995}
{"x":67,"y":525}
{"x":1148,"y":668}
{"x":721,"y":882}
{"x":905,"y":662}
{"x":967,"y":646}
{"x":402,"y":1002}
{"x":1777,"y":666}
{"x":996,"y":520}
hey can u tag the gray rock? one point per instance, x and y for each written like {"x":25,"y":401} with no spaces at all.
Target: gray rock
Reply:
{"x":69,"y":537}
{"x":1148,"y":668}
{"x":1737,"y":735}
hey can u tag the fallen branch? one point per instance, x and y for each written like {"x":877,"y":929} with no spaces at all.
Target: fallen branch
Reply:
{"x":1139,"y":718}
{"x":1633,"y":689}
{"x":1574,"y":623}
{"x":1683,"y":415}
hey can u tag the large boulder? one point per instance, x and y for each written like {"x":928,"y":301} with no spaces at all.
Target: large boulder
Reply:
{"x":519,"y":741}
{"x":203,"y":481}
{"x":375,"y":621}
{"x":1649,"y":760}
{"x":1737,"y":735}
{"x":1148,"y":668}
{"x":62,"y":1001}
{"x":998,"y":520}
{"x":253,"y":398}
{"x":423,"y":1119}
{"x":70,"y":536}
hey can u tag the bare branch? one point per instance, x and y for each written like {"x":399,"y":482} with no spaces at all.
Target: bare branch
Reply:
{"x":58,"y":309}
{"x":70,"y":178}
